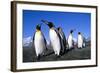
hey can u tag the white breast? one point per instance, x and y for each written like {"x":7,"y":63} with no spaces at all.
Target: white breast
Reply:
{"x":55,"y":41}
{"x":39,"y":43}
{"x":80,"y":41}
{"x":70,"y":41}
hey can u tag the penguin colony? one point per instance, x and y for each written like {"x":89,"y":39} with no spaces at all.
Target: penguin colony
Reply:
{"x":57,"y":39}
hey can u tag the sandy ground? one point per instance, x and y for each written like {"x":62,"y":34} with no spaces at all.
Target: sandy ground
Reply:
{"x":73,"y":54}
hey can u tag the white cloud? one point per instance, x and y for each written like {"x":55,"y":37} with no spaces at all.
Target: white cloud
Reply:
{"x":27,"y":41}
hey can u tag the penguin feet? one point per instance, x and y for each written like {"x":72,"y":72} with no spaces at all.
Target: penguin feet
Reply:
{"x":67,"y":50}
{"x":38,"y":58}
{"x":62,"y":53}
{"x":58,"y":56}
{"x":79,"y":47}
{"x":43,"y":54}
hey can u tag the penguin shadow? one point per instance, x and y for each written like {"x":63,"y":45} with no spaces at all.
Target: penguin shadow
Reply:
{"x":69,"y":49}
{"x":63,"y":52}
{"x":79,"y":48}
{"x":44,"y":57}
{"x":48,"y":54}
{"x":37,"y":59}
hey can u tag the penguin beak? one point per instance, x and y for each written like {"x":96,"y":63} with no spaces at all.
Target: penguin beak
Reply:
{"x":44,"y":21}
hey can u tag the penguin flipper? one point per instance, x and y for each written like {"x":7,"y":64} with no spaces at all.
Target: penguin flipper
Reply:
{"x":63,"y":38}
{"x":63,"y":35}
{"x":64,"y":41}
{"x":57,"y":32}
{"x":45,"y":42}
{"x":61,"y":42}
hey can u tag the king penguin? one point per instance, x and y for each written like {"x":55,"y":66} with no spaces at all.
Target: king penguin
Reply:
{"x":54,"y":37}
{"x":81,"y":40}
{"x":63,"y":38}
{"x":39,"y":42}
{"x":70,"y":40}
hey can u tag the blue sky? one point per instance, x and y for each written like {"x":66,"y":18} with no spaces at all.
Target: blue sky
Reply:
{"x":67,"y":20}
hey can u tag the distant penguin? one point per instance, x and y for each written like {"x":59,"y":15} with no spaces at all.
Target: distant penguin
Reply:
{"x":39,"y":42}
{"x":70,"y":40}
{"x":55,"y":38}
{"x":63,"y":38}
{"x":81,"y":40}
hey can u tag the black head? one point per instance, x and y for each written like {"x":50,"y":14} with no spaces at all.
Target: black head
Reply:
{"x":59,"y":28}
{"x":71,"y":31}
{"x":38,"y":27}
{"x":79,"y":32}
{"x":50,"y":24}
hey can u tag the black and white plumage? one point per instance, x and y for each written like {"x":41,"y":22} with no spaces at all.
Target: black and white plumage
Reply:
{"x":70,"y":40}
{"x":55,"y":38}
{"x":39,"y":41}
{"x":81,"y":40}
{"x":63,"y":38}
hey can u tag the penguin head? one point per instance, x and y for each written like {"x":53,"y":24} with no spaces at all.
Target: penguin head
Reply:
{"x":38,"y":27}
{"x":50,"y":24}
{"x":59,"y":28}
{"x":79,"y":32}
{"x":71,"y":31}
